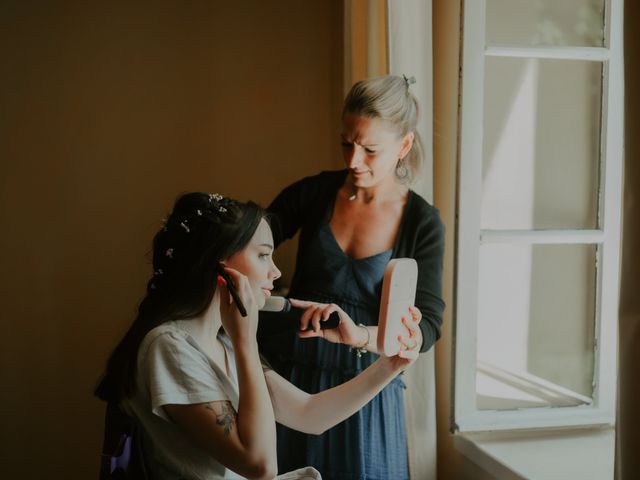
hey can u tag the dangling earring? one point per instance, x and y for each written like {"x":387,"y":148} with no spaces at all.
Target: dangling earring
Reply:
{"x":401,"y":170}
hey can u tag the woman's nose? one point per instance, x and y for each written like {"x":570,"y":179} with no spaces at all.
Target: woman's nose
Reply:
{"x":354,"y":158}
{"x":275,"y":273}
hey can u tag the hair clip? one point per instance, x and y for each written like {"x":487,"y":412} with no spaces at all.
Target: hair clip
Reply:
{"x":222,"y":209}
{"x":152,"y":286}
{"x":169,"y":253}
{"x":164,"y":221}
{"x":215,"y":196}
{"x":199,"y":212}
{"x":184,"y":225}
{"x":158,"y":272}
{"x":408,"y":81}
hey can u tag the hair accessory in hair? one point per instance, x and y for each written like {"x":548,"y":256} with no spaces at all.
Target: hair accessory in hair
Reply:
{"x":152,"y":286}
{"x":169,"y":253}
{"x":409,"y":81}
{"x":184,"y":225}
{"x":158,"y":272}
{"x":164,"y":221}
{"x":215,"y":198}
{"x":199,"y":212}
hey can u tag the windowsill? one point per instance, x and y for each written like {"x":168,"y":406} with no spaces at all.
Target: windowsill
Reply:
{"x":549,"y":454}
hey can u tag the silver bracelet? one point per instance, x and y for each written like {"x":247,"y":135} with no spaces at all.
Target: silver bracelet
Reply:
{"x":362,"y":349}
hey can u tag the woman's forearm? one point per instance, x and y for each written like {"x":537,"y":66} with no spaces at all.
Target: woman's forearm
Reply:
{"x":256,"y":422}
{"x":321,"y":411}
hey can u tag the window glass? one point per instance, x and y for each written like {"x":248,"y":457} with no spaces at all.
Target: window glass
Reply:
{"x":541,"y":147}
{"x":536,"y":316}
{"x":546,"y":22}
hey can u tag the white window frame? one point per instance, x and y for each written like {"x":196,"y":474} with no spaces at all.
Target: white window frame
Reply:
{"x":466,"y":417}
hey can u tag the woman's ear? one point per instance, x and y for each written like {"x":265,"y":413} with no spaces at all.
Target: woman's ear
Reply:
{"x":407,"y":143}
{"x":220,"y":268}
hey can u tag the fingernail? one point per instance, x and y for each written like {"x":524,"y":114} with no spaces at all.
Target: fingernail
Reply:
{"x":221,"y":281}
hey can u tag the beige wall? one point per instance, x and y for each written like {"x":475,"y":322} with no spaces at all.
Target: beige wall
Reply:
{"x":108,"y":111}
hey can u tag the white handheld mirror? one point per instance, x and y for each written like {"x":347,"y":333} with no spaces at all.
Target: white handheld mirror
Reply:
{"x":398,"y":294}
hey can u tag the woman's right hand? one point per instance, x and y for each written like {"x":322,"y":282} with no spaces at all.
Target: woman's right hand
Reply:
{"x":347,"y":332}
{"x":237,"y":326}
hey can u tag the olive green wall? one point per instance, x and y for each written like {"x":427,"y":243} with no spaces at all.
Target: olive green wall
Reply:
{"x":108,"y":110}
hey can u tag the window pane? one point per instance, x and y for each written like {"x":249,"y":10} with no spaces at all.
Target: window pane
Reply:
{"x":546,"y":22}
{"x":541,"y":144}
{"x":536,"y":316}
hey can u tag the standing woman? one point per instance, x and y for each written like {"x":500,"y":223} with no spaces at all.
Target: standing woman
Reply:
{"x":351,"y":223}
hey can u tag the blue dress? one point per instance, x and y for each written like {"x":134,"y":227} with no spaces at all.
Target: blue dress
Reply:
{"x":371,"y":444}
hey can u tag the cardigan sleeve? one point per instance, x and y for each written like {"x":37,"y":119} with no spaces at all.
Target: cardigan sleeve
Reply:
{"x":285,"y":213}
{"x":302,"y":202}
{"x":428,"y":251}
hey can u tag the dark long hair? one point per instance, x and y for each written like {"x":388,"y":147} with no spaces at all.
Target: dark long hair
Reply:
{"x":201,"y":231}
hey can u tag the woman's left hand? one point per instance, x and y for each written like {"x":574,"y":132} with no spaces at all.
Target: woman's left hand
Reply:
{"x":347,"y":332}
{"x":411,"y":342}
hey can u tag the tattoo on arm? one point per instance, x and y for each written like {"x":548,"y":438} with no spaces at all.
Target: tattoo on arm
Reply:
{"x":226,"y":417}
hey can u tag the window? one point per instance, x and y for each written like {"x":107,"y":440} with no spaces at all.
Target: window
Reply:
{"x":539,"y":209}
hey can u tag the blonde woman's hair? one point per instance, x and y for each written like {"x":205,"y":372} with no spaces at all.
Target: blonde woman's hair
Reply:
{"x":390,"y":99}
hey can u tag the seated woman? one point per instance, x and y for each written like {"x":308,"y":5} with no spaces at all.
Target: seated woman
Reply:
{"x":188,"y":369}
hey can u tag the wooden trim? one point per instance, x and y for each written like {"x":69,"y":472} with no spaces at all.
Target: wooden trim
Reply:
{"x":365,"y":40}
